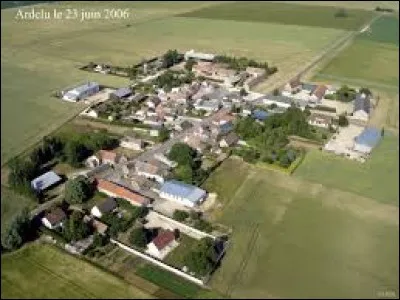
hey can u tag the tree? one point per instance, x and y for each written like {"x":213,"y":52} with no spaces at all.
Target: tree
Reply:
{"x":20,"y":175}
{"x":275,"y":93}
{"x":182,"y":153}
{"x":343,"y":122}
{"x":75,"y":228}
{"x":99,"y":240}
{"x":243,"y":92}
{"x":75,"y":152}
{"x":203,"y":258}
{"x":383,"y":131}
{"x":202,"y":225}
{"x":78,"y":190}
{"x":365,"y":91}
{"x":346,"y":94}
{"x":184,"y":173}
{"x":18,"y":231}
{"x":163,"y":135}
{"x":138,"y":237}
{"x":170,"y":58}
{"x":189,"y":64}
{"x":180,"y":215}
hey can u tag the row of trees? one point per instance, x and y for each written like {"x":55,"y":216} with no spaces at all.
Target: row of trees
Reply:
{"x":171,"y":57}
{"x":241,"y":63}
{"x":18,"y":231}
{"x":171,"y":79}
{"x":203,"y":258}
{"x":189,"y":164}
{"x":194,"y":218}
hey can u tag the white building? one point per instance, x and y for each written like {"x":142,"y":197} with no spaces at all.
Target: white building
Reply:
{"x":132,"y":143}
{"x":106,"y":206}
{"x":199,"y":56}
{"x":186,"y":194}
{"x":163,"y":244}
{"x":81,"y":92}
{"x":162,"y":158}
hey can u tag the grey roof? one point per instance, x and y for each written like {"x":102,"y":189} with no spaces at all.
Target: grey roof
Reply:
{"x":122,"y":92}
{"x":309,"y":87}
{"x":85,"y":87}
{"x":184,"y":190}
{"x":362,"y":102}
{"x":56,"y":216}
{"x":217,"y":94}
{"x":45,"y":180}
{"x":369,"y":137}
{"x":186,"y":125}
{"x":107,"y":205}
{"x":279,"y":98}
{"x":231,"y":138}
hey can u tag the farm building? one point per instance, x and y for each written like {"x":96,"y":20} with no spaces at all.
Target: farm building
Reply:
{"x":54,"y":218}
{"x":121,"y":93}
{"x":110,"y":157}
{"x":293,"y":86}
{"x":116,"y":191}
{"x":150,"y":170}
{"x":162,"y":158}
{"x":81,"y":92}
{"x":320,"y":120}
{"x":199,"y":56}
{"x":132,"y":143}
{"x":45,"y":181}
{"x":362,"y":107}
{"x":162,"y":244}
{"x":280,"y":101}
{"x":367,"y":140}
{"x":319,"y":93}
{"x":183,"y":193}
{"x":106,"y":206}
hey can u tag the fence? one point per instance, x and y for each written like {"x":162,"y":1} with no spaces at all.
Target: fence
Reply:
{"x":159,"y":263}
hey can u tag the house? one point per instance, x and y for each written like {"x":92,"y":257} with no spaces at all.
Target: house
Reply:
{"x":162,"y":158}
{"x":132,"y":143}
{"x":199,"y":56}
{"x":195,"y":142}
{"x":54,"y":218}
{"x":150,"y":170}
{"x":183,"y":193}
{"x":203,"y":132}
{"x":221,"y":129}
{"x":308,"y":88}
{"x":97,"y":225}
{"x":207,"y":105}
{"x":134,"y":98}
{"x":318,"y":93}
{"x":362,"y":107}
{"x":116,"y":191}
{"x":139,"y":183}
{"x":320,"y":120}
{"x":367,"y":140}
{"x":221,"y":117}
{"x":260,"y":115}
{"x":153,"y":121}
{"x":45,"y":181}
{"x":153,"y":101}
{"x":106,"y":206}
{"x":110,"y":157}
{"x":292,"y":87}
{"x":81,"y":92}
{"x":93,"y":161}
{"x":279,"y":101}
{"x":162,"y":244}
{"x":229,"y":140}
{"x":121,"y":93}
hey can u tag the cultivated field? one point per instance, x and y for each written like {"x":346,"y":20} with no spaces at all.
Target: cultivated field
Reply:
{"x":42,"y":271}
{"x":283,"y":13}
{"x":293,"y":238}
{"x":377,"y":178}
{"x":383,"y":30}
{"x":367,"y":5}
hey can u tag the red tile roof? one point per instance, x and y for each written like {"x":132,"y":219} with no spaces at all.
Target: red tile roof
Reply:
{"x":320,"y":91}
{"x":163,"y":239}
{"x":121,"y":192}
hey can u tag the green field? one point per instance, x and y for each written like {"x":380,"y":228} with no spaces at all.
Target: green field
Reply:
{"x":284,"y":13}
{"x":377,"y":178}
{"x":43,"y":271}
{"x":365,"y":63}
{"x":293,"y":238}
{"x":367,"y":5}
{"x":383,"y":30}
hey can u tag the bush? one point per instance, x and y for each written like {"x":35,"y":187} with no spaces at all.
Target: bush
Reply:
{"x":203,"y":225}
{"x":343,"y":122}
{"x":138,"y":237}
{"x":180,"y":215}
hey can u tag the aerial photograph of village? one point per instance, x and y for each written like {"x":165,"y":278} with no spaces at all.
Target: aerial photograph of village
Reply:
{"x":200,"y":149}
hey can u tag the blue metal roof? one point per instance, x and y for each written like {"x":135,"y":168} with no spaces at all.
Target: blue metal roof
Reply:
{"x":122,"y":92}
{"x":85,"y":87}
{"x":260,"y":114}
{"x":226,"y":127}
{"x":44,"y":181}
{"x":369,"y":137}
{"x":184,"y":190}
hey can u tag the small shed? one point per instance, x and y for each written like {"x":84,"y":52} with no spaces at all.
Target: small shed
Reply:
{"x":45,"y":181}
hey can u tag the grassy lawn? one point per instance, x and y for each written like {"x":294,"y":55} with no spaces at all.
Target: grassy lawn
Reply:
{"x":11,"y":205}
{"x":384,"y":30}
{"x":377,"y":178}
{"x":176,"y":257}
{"x":169,"y":281}
{"x":364,"y":62}
{"x":283,"y":13}
{"x":58,"y":275}
{"x":292,"y":238}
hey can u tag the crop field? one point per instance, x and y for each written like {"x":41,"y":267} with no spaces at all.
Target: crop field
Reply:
{"x":383,"y":30}
{"x":365,"y":63}
{"x":45,"y":56}
{"x":362,"y":179}
{"x":43,"y":271}
{"x":293,"y":238}
{"x":367,"y":5}
{"x":283,"y":13}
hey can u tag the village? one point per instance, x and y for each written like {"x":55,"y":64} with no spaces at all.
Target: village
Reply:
{"x":187,"y":114}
